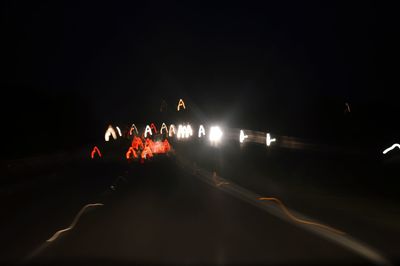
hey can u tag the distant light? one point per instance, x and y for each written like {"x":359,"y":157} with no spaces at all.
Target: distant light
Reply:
{"x":269,"y":140}
{"x":242,"y":136}
{"x":147,"y":131}
{"x":180,"y":104}
{"x":163,"y":127}
{"x":119,"y":132}
{"x":110,"y":132}
{"x":391,"y":148}
{"x":171,"y":130}
{"x":202,"y":131}
{"x":95,"y":150}
{"x":215,"y":134}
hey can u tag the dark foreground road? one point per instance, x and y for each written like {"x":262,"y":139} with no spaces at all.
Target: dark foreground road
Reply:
{"x":157,"y":212}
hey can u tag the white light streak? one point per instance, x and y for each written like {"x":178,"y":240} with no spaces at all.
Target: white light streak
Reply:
{"x":242,"y":136}
{"x":110,"y":132}
{"x":163,"y":127}
{"x":215,"y":134}
{"x":202,"y":131}
{"x":184,"y":131}
{"x":391,"y":148}
{"x":119,"y":131}
{"x":147,"y":130}
{"x":172,"y":130}
{"x":269,"y":140}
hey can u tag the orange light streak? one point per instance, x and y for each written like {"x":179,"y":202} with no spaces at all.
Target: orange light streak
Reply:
{"x":291,"y":216}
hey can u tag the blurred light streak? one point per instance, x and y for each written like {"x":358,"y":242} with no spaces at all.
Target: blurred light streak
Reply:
{"x":133,"y":127}
{"x":269,"y":140}
{"x":136,"y":143}
{"x":215,"y":134}
{"x":164,"y":127}
{"x":129,"y":152}
{"x":291,"y":216}
{"x":242,"y":136}
{"x":160,"y":147}
{"x":202,"y":131}
{"x":119,"y":131}
{"x":180,"y":104}
{"x":153,"y":127}
{"x":147,"y":131}
{"x":184,"y":131}
{"x":95,"y":150}
{"x":171,"y":130}
{"x":110,"y":132}
{"x":146,"y":153}
{"x":217,"y":181}
{"x":74,"y":222}
{"x":347,"y":108}
{"x":391,"y":148}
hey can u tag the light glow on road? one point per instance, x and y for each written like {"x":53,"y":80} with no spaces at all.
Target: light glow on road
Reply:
{"x":391,"y":148}
{"x":292,"y":217}
{"x":74,"y":222}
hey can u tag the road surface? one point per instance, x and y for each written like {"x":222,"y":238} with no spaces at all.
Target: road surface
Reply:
{"x":156,"y":212}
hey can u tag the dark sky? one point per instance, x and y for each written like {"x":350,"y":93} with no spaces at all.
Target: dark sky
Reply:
{"x":279,"y":65}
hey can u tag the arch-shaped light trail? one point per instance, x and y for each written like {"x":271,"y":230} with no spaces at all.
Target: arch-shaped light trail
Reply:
{"x":172,"y":130}
{"x":181,"y":104}
{"x":202,"y":131}
{"x":147,"y":131}
{"x":133,"y":127}
{"x":153,"y":127}
{"x":94,"y":151}
{"x":131,"y":152}
{"x":164,"y":127}
{"x":391,"y":148}
{"x":110,"y":132}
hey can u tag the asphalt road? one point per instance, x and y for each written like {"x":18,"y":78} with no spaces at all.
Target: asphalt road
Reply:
{"x":157,"y":212}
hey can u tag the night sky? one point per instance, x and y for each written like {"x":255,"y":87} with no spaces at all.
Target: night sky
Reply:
{"x":70,"y":69}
